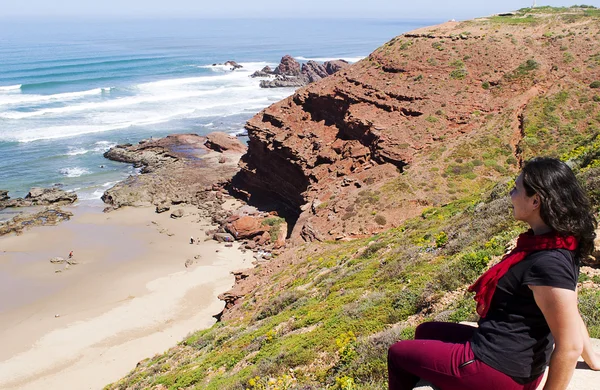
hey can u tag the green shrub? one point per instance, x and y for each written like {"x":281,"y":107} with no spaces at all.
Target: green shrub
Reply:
{"x":523,"y":70}
{"x":406,"y":302}
{"x":275,"y":224}
{"x":370,"y":363}
{"x":595,"y":84}
{"x":473,"y":264}
{"x":372,"y":249}
{"x":589,"y":307}
{"x":464,"y":310}
{"x":590,"y":179}
{"x":568,"y":57}
{"x":457,"y":64}
{"x":459,"y":169}
{"x":279,"y":303}
{"x":458,"y":74}
{"x":437,"y":46}
{"x":441,"y":239}
{"x":485,"y":85}
{"x":463,"y":270}
{"x":380,"y":219}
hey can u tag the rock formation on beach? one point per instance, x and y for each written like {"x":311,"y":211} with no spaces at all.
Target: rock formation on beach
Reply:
{"x":182,"y":168}
{"x":47,"y":217}
{"x":38,"y":197}
{"x":187,"y":168}
{"x":51,"y":214}
{"x":289,"y":73}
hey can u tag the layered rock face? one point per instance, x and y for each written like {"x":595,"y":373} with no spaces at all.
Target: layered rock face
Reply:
{"x":347,"y":140}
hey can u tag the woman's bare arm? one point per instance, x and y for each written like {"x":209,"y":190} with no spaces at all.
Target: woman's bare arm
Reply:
{"x":559,"y":307}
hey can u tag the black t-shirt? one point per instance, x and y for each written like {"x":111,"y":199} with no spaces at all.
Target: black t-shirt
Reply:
{"x":514,"y":337}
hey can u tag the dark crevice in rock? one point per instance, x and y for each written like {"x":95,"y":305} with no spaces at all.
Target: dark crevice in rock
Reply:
{"x":382,"y":159}
{"x":403,"y":98}
{"x":391,"y":69}
{"x":409,"y":112}
{"x":261,"y":167}
{"x":272,"y":120}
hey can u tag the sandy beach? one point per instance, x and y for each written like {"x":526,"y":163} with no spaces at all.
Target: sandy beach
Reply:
{"x":129,"y":297}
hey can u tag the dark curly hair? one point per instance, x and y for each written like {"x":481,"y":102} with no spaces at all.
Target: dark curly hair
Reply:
{"x":565,"y":206}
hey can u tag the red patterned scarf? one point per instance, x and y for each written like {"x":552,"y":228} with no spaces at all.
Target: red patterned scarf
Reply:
{"x":485,"y":286}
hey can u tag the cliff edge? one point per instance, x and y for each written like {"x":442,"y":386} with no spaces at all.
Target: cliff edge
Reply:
{"x":432,"y":113}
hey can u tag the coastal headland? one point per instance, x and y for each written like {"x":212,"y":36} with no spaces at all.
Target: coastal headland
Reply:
{"x":394,"y":174}
{"x":380,"y":194}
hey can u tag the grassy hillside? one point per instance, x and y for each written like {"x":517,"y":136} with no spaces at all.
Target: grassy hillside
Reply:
{"x":326,"y":312}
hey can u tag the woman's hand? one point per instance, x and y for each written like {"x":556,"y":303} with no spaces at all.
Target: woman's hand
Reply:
{"x":591,"y":357}
{"x":594,"y":362}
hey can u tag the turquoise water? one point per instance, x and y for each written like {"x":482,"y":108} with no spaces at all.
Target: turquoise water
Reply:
{"x":70,"y":90}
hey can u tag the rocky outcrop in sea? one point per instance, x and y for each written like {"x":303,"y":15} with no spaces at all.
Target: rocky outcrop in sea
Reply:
{"x":38,"y":197}
{"x":290,"y":73}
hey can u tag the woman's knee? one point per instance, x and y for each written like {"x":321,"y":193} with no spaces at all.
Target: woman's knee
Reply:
{"x":400,"y":351}
{"x":427,"y":331}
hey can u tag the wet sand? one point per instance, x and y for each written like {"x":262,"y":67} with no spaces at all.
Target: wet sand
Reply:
{"x":129,"y":297}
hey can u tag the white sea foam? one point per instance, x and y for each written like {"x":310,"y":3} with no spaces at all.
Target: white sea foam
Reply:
{"x":73,"y":172}
{"x":217,"y":68}
{"x":95,"y":192}
{"x":245,"y":66}
{"x":111,"y":104}
{"x":78,"y":151}
{"x":323,"y":59}
{"x":10,"y":88}
{"x":57,"y":132}
{"x":218,"y":95}
{"x":103,"y":146}
{"x":14,"y":99}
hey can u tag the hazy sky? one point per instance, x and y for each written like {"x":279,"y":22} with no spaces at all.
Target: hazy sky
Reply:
{"x":391,"y":9}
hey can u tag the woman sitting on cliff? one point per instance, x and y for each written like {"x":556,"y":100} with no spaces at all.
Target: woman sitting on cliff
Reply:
{"x":527,"y":302}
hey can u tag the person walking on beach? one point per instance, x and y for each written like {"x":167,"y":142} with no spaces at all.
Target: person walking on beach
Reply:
{"x":71,"y":255}
{"x":527,"y":303}
{"x":191,"y":240}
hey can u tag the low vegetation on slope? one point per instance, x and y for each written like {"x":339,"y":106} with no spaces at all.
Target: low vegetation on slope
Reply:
{"x":327,"y":318}
{"x":326,"y":312}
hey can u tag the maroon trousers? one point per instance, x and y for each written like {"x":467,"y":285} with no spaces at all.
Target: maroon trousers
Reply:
{"x":441,"y":354}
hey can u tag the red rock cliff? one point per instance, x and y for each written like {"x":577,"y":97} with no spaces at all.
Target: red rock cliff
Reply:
{"x":398,"y":115}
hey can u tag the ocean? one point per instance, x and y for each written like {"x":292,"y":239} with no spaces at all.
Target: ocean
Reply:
{"x":69,"y":90}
